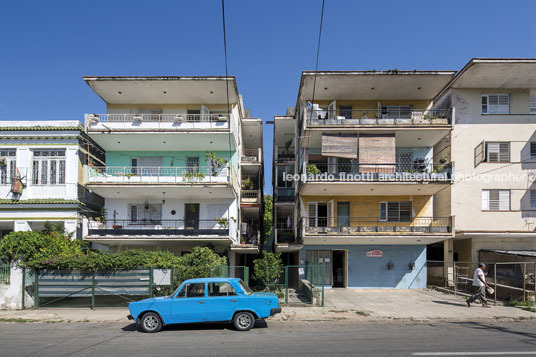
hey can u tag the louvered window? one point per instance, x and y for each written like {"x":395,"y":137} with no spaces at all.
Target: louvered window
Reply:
{"x":532,"y":104}
{"x":533,"y":198}
{"x":498,"y":152}
{"x":395,"y":211}
{"x":495,"y":104}
{"x":495,"y":200}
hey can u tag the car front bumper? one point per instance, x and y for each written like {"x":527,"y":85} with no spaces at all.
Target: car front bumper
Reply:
{"x":275,"y":311}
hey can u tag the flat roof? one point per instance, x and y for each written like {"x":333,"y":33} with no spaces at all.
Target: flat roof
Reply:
{"x":373,"y":85}
{"x":495,"y":73}
{"x":525,"y":253}
{"x":164,"y":89}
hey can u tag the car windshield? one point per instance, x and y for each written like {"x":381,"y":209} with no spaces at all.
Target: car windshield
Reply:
{"x":245,"y":287}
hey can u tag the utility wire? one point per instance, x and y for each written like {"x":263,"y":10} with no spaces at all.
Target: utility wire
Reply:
{"x":318,"y":50}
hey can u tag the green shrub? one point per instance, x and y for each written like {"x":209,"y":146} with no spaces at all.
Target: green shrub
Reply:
{"x":268,"y":269}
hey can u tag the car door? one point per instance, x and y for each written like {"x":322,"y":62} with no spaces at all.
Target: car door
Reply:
{"x":189,"y":304}
{"x":221,"y":301}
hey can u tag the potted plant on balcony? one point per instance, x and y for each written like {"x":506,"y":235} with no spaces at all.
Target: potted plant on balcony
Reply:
{"x":247,"y":184}
{"x":311,"y":169}
{"x":216,"y":162}
{"x":194,"y":176}
{"x":222,"y":222}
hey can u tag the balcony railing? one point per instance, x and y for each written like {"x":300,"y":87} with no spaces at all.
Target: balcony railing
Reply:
{"x":156,"y":227}
{"x":285,"y":194}
{"x":160,"y":174}
{"x":250,"y":196}
{"x":285,"y":154}
{"x":374,"y":225}
{"x":251,"y":155}
{"x":171,"y":120}
{"x":410,"y":172}
{"x":377,"y":117}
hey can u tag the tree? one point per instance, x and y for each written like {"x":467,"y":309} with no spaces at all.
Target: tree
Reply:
{"x":202,"y":262}
{"x":268,"y":269}
{"x":268,"y":216}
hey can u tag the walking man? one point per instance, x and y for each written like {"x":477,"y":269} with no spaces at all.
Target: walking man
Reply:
{"x":479,"y":286}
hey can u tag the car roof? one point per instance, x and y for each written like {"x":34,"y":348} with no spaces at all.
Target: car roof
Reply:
{"x":209,"y":280}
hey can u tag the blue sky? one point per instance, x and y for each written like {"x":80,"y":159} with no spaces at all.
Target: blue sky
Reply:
{"x":47,"y":46}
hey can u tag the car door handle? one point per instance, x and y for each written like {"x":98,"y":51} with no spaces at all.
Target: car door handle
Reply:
{"x":234,"y":300}
{"x":200,"y":302}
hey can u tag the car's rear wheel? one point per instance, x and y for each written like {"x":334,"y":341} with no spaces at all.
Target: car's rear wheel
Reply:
{"x":150,"y":322}
{"x":243,"y":321}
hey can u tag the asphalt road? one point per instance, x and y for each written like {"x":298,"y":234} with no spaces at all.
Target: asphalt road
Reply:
{"x":335,"y":338}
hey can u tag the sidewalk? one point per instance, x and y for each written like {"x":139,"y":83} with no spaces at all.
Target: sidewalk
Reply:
{"x":341,"y":304}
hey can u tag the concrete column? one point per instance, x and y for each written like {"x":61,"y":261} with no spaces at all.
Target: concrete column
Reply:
{"x":448,"y":264}
{"x":11,"y":295}
{"x":22,"y":226}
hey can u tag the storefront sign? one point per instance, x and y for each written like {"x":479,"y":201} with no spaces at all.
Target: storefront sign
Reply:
{"x":374,"y":253}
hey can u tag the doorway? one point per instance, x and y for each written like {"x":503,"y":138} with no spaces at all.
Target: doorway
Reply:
{"x":339,"y":268}
{"x":191,"y":215}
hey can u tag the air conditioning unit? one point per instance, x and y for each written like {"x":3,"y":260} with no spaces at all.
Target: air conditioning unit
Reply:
{"x":222,"y":117}
{"x":138,"y":117}
{"x":178,"y":119}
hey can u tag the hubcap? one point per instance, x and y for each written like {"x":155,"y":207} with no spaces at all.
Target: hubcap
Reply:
{"x":150,"y":322}
{"x":244,"y":320}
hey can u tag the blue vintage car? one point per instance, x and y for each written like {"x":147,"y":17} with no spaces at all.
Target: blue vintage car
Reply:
{"x":205,"y":300}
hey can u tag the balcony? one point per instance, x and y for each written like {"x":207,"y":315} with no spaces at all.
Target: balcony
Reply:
{"x":249,"y":197}
{"x":251,"y":156}
{"x":284,"y":194}
{"x":173,"y":121}
{"x":285,"y":154}
{"x":318,"y":117}
{"x":360,"y":229}
{"x":159,"y":228}
{"x":152,"y":175}
{"x":417,"y":171}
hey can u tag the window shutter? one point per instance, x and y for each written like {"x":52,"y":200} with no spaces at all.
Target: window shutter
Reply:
{"x":503,"y":104}
{"x":493,"y":152}
{"x":311,"y":209}
{"x":533,"y":198}
{"x":485,"y":200}
{"x":393,"y":213}
{"x":484,"y":104}
{"x":494,"y":203}
{"x":405,"y":211}
{"x":383,"y":211}
{"x":532,"y":104}
{"x":504,"y":200}
{"x":533,"y":148}
{"x":480,"y":153}
{"x":504,"y":152}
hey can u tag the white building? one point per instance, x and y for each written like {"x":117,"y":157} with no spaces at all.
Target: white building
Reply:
{"x":176,"y":151}
{"x":47,"y":157}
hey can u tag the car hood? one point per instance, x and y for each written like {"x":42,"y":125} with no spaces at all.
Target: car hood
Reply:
{"x":150,"y":300}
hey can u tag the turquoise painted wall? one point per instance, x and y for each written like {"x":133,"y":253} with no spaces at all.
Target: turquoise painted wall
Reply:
{"x":169,"y":158}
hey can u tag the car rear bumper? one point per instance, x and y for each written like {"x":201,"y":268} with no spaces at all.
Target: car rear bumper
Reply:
{"x":275,"y":311}
{"x":130,"y":317}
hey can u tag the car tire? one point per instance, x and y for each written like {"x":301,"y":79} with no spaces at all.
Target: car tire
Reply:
{"x":150,"y":322}
{"x":243,"y":321}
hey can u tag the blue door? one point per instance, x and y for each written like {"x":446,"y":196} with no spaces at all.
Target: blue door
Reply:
{"x":189,"y":304}
{"x":221,"y":301}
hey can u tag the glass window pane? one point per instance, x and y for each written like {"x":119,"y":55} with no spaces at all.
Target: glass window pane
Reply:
{"x":44,"y":172}
{"x":220,"y":289}
{"x":53,"y":167}
{"x":61,"y":180}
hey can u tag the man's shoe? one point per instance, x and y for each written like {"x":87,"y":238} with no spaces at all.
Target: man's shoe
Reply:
{"x":468,"y":303}
{"x":486,"y":306}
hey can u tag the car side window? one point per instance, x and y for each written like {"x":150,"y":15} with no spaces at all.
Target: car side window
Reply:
{"x":192,"y":290}
{"x":220,"y":289}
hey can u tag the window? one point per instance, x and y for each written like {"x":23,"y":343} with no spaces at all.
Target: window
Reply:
{"x":246,"y":289}
{"x":396,"y":112}
{"x":220,"y":289}
{"x":192,"y":164}
{"x":318,"y":214}
{"x":533,"y":149}
{"x":495,"y":200}
{"x":150,"y":213}
{"x":533,"y":198}
{"x":495,"y":104}
{"x":532,"y":104}
{"x":395,"y":211}
{"x":8,"y":167}
{"x":498,"y":152}
{"x":192,"y":290}
{"x":345,"y":111}
{"x":193,"y":115}
{"x":48,"y":167}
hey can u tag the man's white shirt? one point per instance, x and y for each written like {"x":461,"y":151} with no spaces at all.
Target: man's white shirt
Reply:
{"x":476,"y":280}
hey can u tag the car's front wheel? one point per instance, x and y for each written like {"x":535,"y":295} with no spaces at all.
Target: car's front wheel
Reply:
{"x":243,"y":321}
{"x":150,"y":322}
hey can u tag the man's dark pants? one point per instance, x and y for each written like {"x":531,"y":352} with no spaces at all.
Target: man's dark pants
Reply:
{"x":479,"y":292}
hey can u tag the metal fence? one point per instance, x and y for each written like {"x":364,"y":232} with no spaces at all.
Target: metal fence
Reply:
{"x":4,"y":273}
{"x":510,"y":280}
